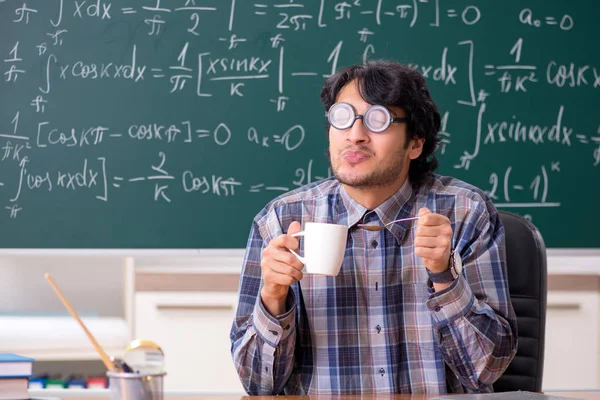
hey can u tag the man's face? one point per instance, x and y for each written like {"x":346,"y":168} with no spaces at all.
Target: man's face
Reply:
{"x":362,"y":159}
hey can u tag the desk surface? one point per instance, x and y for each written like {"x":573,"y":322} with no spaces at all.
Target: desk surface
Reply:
{"x":585,"y":395}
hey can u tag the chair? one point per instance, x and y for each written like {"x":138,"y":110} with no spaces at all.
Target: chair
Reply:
{"x":526,"y":267}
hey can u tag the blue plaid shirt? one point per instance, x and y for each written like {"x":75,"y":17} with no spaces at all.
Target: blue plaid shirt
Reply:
{"x":378,"y":327}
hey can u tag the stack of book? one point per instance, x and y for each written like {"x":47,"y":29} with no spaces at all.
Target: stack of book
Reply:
{"x":15,"y":371}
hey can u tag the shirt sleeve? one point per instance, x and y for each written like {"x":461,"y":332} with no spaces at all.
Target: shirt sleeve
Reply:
{"x":473,"y":318}
{"x":262,"y":345}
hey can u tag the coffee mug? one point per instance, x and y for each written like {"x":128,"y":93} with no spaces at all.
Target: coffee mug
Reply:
{"x":324,"y":246}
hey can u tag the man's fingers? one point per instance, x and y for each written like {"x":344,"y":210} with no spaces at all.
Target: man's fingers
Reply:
{"x":280,"y":267}
{"x":427,"y":231}
{"x":424,"y":211}
{"x":285,"y":269}
{"x":432,"y":231}
{"x":431,"y":219}
{"x":431,"y":242}
{"x":287,"y":241}
{"x":424,"y":216}
{"x":274,"y":279}
{"x":275,"y":254}
{"x":293,"y":228}
{"x":433,"y":236}
{"x":284,"y":242}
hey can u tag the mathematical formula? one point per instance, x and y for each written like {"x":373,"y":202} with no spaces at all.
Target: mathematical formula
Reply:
{"x":202,"y":57}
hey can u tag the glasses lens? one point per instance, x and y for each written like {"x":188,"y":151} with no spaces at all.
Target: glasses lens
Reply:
{"x":341,"y":115}
{"x":377,"y":119}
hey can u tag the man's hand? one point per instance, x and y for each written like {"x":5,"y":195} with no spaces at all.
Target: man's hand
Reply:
{"x":280,"y":269}
{"x":433,"y":240}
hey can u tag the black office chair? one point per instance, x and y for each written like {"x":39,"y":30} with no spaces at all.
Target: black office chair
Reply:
{"x":526,"y":266}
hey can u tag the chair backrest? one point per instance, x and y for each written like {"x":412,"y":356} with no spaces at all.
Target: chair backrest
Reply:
{"x":527,"y":280}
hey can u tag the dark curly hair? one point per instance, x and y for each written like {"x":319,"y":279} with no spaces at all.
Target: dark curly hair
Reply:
{"x":392,"y":84}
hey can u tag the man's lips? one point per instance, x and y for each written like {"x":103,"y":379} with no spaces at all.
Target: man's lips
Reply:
{"x":355,"y":157}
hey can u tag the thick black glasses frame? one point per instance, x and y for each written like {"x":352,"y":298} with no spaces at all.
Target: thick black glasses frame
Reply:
{"x":392,"y":120}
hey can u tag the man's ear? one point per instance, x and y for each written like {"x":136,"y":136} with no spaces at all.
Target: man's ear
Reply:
{"x":415,"y":148}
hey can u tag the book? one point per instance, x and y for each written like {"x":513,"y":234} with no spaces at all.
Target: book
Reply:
{"x":37,"y":382}
{"x":97,"y":383}
{"x":56,"y":384}
{"x":15,"y":365}
{"x":14,"y":388}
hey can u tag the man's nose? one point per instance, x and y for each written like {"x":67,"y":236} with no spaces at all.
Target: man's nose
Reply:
{"x":358,"y":132}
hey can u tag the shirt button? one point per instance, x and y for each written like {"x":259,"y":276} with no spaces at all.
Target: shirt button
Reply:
{"x":382,"y":371}
{"x":378,"y":329}
{"x":275,"y":333}
{"x":287,"y":327}
{"x":374,"y":244}
{"x":437,"y":308}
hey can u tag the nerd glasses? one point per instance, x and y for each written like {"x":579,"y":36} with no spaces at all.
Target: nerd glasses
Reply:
{"x":376,"y":118}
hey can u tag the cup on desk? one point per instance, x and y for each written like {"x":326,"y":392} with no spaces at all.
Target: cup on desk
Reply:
{"x":324,"y":246}
{"x":135,"y":386}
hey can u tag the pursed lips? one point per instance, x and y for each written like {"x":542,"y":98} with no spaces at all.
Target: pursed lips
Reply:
{"x":354,"y":156}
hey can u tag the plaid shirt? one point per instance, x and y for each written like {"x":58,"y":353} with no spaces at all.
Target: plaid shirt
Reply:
{"x":378,"y":327}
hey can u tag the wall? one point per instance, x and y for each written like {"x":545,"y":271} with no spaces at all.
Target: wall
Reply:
{"x":93,"y":285}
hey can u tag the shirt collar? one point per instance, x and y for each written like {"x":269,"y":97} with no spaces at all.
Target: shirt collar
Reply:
{"x":397,"y":206}
{"x":354,"y":210}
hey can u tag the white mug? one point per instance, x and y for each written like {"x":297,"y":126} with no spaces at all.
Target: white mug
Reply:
{"x":324,"y":247}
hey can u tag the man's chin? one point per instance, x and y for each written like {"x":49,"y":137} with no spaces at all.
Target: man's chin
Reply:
{"x":354,"y":181}
{"x":366,"y":181}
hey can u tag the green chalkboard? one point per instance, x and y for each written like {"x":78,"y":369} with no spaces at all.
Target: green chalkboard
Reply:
{"x":170,"y":124}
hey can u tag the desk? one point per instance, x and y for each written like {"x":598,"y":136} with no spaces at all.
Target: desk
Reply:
{"x":587,"y":395}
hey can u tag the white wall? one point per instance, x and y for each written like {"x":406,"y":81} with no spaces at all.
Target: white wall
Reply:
{"x":93,"y":285}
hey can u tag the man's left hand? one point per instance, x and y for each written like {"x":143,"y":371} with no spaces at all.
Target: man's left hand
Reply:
{"x":433,"y":240}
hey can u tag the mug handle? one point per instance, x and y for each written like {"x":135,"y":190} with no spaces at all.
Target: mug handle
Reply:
{"x":298,"y":256}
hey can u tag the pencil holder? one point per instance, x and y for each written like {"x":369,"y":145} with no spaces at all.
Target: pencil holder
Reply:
{"x":135,"y":386}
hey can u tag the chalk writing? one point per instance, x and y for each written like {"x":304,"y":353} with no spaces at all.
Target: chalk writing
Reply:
{"x":185,"y":108}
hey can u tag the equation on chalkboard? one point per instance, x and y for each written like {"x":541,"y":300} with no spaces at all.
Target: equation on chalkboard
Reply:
{"x":170,"y":124}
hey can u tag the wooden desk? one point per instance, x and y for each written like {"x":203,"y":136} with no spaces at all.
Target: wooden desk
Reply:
{"x":595,"y":395}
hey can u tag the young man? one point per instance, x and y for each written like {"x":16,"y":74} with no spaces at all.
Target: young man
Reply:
{"x":419,"y":307}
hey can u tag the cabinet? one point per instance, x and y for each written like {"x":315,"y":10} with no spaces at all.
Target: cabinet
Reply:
{"x":189,"y":313}
{"x":193,"y":330}
{"x":572,"y":340}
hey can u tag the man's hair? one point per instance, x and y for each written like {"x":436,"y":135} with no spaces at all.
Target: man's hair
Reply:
{"x":391,"y":84}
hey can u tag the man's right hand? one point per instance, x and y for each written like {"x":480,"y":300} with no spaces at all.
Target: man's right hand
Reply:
{"x":280,"y":269}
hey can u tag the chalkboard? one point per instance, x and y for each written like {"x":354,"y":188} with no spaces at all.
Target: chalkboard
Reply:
{"x":170,"y":124}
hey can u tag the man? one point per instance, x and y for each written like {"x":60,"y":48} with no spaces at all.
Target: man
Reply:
{"x":402,"y":316}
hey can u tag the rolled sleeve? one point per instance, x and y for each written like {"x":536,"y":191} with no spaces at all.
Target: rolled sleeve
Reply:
{"x":452,"y":303}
